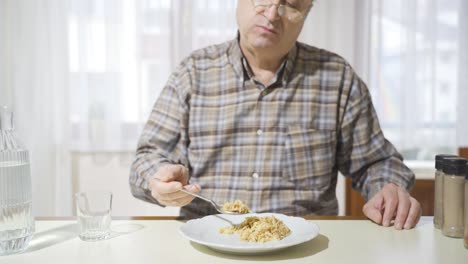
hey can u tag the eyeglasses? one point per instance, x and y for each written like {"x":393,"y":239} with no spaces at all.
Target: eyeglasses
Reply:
{"x":291,"y":13}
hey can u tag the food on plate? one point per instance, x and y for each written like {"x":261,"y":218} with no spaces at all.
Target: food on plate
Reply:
{"x":258,"y":229}
{"x":237,"y":206}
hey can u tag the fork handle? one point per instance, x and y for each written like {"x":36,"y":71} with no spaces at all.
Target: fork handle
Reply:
{"x":197,"y":195}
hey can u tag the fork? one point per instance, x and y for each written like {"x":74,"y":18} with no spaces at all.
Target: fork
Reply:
{"x":215,"y":205}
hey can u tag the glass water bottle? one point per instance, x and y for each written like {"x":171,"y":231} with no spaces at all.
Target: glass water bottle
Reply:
{"x":16,"y":219}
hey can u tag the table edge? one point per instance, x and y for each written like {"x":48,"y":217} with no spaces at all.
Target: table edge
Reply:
{"x":162,"y":218}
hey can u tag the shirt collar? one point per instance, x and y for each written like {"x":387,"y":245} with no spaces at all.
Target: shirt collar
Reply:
{"x":236,"y":58}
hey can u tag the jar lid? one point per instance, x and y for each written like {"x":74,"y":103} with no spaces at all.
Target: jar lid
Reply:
{"x":439,"y":160}
{"x":454,"y":166}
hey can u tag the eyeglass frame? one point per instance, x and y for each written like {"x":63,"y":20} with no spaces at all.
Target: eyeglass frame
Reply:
{"x":278,"y":6}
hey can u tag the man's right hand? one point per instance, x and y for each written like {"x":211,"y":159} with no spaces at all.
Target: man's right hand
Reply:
{"x":172,"y":178}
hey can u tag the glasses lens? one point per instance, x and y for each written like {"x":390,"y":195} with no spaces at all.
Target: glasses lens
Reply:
{"x":261,"y":2}
{"x":292,"y":14}
{"x":260,"y":8}
{"x":281,"y":10}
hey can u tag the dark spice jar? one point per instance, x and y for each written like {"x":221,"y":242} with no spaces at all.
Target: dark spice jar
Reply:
{"x":439,"y":189}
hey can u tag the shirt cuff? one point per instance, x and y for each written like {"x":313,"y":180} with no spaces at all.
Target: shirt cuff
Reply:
{"x":373,"y":188}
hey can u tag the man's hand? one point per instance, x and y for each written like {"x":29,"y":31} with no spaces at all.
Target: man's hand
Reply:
{"x":172,"y":178}
{"x":393,"y":202}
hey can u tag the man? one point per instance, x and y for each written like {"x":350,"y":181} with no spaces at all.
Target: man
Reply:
{"x":269,"y":121}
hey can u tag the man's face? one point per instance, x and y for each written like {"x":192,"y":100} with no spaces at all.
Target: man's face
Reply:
{"x":267,"y":31}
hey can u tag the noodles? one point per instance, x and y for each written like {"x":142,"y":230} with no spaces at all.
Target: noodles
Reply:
{"x":237,"y":206}
{"x":258,"y":229}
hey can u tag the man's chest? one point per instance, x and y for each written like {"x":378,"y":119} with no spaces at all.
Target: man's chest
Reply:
{"x":250,"y":112}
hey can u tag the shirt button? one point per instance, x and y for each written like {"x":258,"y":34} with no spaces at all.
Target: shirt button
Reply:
{"x":255,"y":175}
{"x":259,"y":132}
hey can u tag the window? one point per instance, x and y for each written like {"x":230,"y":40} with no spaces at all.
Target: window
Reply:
{"x":414,"y":74}
{"x":121,"y":55}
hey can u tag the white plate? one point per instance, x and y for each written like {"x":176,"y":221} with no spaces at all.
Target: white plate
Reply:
{"x":205,"y":231}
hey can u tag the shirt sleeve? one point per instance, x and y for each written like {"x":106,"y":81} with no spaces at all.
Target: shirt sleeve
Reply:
{"x":363,"y":152}
{"x":164,"y":137}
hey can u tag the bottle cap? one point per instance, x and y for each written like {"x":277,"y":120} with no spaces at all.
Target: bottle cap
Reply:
{"x":6,"y":118}
{"x":439,"y":160}
{"x":454,"y":166}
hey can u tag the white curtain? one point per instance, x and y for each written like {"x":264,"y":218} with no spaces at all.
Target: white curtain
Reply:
{"x":34,"y":82}
{"x":122,"y":53}
{"x":83,"y":75}
{"x":335,"y":25}
{"x":462,"y":120}
{"x":5,"y":95}
{"x":411,"y":54}
{"x":415,"y":46}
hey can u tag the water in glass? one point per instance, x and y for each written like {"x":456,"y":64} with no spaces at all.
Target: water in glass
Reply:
{"x":95,"y":226}
{"x":16,"y":219}
{"x":94,"y":214}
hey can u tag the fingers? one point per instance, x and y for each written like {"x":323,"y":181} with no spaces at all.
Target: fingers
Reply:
{"x":168,"y":183}
{"x":372,"y":209}
{"x":167,"y":187}
{"x":404,"y":205}
{"x":173,"y":172}
{"x":390,"y":196}
{"x":414,"y":214}
{"x":171,"y":179}
{"x":183,"y":198}
{"x":397,"y":204}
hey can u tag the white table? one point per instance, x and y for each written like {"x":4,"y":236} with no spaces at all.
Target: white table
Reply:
{"x":158,"y":241}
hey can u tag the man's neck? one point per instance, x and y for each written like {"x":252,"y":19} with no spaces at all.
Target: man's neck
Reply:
{"x":264,"y":65}
{"x":264,"y":61}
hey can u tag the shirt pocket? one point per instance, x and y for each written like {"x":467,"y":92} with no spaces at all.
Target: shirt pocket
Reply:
{"x":309,"y":155}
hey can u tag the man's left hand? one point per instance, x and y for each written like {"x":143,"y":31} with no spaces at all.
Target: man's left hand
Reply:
{"x":393,"y":202}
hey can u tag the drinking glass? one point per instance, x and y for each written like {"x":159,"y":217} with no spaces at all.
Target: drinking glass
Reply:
{"x":93,"y":209}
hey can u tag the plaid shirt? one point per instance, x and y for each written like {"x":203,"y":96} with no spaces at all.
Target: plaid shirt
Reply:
{"x":279,"y":147}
